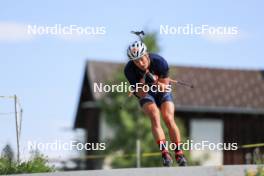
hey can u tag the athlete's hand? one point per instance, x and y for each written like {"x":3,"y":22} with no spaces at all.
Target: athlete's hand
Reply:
{"x":150,"y":78}
{"x":140,"y":92}
{"x":164,"y":85}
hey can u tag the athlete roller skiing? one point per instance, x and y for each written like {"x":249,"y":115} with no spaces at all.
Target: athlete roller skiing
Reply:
{"x":152,"y":69}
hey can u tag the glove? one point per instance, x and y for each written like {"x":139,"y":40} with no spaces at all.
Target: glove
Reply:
{"x":150,"y":78}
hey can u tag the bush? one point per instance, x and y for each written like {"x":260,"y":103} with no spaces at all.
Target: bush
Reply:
{"x":36,"y":164}
{"x":259,"y":172}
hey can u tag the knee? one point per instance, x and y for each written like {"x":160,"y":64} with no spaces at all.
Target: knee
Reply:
{"x":169,"y":121}
{"x":154,"y":115}
{"x":155,"y":119}
{"x":152,"y":112}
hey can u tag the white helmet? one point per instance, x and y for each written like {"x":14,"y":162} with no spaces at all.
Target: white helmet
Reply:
{"x":136,"y":50}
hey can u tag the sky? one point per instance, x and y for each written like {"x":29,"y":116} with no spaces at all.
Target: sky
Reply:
{"x":45,"y":71}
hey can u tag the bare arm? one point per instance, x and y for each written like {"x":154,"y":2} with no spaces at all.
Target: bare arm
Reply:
{"x":164,"y":83}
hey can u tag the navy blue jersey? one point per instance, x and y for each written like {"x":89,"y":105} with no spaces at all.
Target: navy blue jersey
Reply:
{"x":158,"y":66}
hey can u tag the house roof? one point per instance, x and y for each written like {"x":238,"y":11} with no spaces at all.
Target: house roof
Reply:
{"x":216,"y":90}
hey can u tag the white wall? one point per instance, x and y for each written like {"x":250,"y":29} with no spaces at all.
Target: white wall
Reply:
{"x":207,"y":130}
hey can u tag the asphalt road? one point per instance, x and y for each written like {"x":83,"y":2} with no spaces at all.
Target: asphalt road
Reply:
{"x":234,"y":170}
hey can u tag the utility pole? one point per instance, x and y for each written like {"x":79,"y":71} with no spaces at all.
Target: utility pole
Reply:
{"x":18,"y":126}
{"x":17,"y":135}
{"x":138,"y":152}
{"x":138,"y":148}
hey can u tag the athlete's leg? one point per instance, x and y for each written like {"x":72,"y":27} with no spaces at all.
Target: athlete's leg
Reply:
{"x":167,"y":111}
{"x":152,"y":111}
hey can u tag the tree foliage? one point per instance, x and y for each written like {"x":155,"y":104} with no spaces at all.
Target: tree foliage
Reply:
{"x":36,"y":164}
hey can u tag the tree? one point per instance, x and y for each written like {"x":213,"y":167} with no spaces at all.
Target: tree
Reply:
{"x":7,"y":153}
{"x":151,"y":42}
{"x":129,"y":124}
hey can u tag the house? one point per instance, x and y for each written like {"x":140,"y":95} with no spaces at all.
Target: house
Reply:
{"x":226,"y":105}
